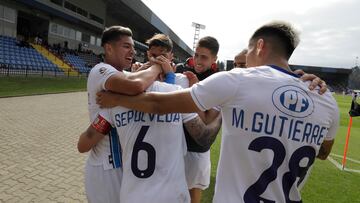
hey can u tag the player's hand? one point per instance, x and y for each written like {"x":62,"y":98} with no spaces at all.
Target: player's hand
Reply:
{"x":315,"y":81}
{"x":191,"y":77}
{"x":135,"y":67}
{"x":164,"y":62}
{"x":145,"y":66}
{"x":106,"y":99}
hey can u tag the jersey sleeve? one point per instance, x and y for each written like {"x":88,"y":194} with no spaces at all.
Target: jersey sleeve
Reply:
{"x":214,"y":90}
{"x":106,"y":114}
{"x":104,"y":73}
{"x":334,"y":126}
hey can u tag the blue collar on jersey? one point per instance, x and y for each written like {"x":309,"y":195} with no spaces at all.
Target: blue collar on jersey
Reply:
{"x":284,"y":71}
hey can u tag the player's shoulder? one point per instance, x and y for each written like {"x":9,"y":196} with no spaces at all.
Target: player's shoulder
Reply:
{"x":329,"y":96}
{"x":181,"y":80}
{"x":158,"y":86}
{"x":250,"y":70}
{"x":228,"y":75}
{"x":102,"y":68}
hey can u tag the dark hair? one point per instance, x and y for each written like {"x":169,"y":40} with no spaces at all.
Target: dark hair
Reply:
{"x":282,"y":36}
{"x":210,"y":43}
{"x":114,"y":33}
{"x":160,"y":40}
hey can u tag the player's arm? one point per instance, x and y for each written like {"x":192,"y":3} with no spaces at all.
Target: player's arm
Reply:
{"x":325,"y":149}
{"x":150,"y":102}
{"x":208,"y":116}
{"x":94,"y":134}
{"x":205,"y":95}
{"x":326,"y":145}
{"x":203,"y":134}
{"x":133,"y":83}
{"x":89,"y":139}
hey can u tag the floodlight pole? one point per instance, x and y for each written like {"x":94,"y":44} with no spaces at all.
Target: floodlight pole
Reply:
{"x":197,"y":33}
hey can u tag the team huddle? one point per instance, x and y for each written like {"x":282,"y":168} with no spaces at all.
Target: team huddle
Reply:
{"x":150,"y":140}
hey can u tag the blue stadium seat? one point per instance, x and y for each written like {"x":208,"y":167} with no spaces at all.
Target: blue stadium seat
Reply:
{"x":20,"y":57}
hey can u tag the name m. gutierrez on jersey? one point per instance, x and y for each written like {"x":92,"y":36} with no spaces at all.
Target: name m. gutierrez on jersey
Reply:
{"x":127,"y":117}
{"x":295,"y":105}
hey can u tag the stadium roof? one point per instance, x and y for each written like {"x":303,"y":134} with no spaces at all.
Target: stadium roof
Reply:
{"x":321,"y":69}
{"x":132,"y":13}
{"x":137,"y":14}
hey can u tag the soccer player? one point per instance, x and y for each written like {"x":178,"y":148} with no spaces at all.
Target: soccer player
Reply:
{"x":273,"y":125}
{"x":197,"y":160}
{"x":159,"y":52}
{"x":103,"y":166}
{"x":240,"y":59}
{"x":153,"y":148}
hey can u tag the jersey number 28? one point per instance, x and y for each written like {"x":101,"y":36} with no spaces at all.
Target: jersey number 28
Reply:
{"x":253,"y":193}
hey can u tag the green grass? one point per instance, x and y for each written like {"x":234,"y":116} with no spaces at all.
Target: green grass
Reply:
{"x":21,"y":86}
{"x":326,"y":182}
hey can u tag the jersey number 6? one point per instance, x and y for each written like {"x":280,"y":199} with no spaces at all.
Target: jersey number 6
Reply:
{"x":151,"y":155}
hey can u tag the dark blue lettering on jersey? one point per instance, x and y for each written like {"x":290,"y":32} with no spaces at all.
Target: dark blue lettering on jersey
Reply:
{"x":124,"y":118}
{"x":295,"y":129}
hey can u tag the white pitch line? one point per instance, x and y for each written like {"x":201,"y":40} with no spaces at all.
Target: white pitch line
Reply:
{"x":352,"y":170}
{"x":347,"y":158}
{"x":339,"y":166}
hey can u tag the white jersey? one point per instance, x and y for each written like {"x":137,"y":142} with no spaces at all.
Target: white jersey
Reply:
{"x":272,"y":129}
{"x":181,"y":80}
{"x":107,"y":151}
{"x":153,"y":149}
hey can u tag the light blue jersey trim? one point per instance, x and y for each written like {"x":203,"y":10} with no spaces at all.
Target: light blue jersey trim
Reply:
{"x":115,"y":148}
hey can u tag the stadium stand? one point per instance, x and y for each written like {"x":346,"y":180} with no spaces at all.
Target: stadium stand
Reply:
{"x":336,"y":78}
{"x":354,"y":78}
{"x":20,"y":55}
{"x":77,"y":62}
{"x":64,"y":36}
{"x":91,"y":59}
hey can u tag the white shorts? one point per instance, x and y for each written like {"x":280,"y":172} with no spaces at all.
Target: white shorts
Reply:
{"x":197,"y":170}
{"x":102,"y":185}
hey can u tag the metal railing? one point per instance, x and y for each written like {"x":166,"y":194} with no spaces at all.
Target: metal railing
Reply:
{"x":24,"y":70}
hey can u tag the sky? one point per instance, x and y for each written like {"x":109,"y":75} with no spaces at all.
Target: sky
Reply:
{"x":329,"y":29}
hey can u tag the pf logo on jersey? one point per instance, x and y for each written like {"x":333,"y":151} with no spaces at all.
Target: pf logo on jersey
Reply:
{"x":293,"y":101}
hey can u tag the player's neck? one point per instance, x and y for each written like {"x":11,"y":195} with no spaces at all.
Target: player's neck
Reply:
{"x":281,"y":63}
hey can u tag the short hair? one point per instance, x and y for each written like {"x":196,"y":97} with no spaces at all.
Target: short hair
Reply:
{"x":114,"y":33}
{"x":210,"y":43}
{"x":160,"y":40}
{"x":243,"y":52}
{"x":282,"y":36}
